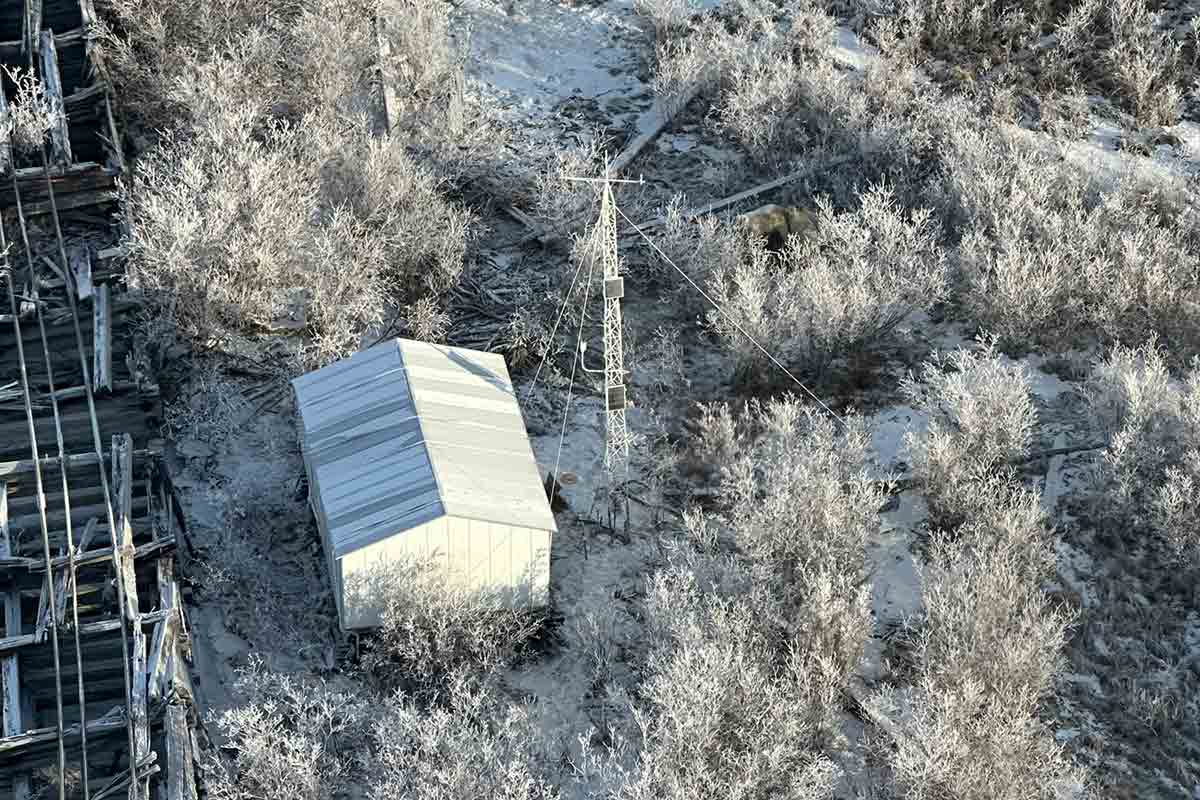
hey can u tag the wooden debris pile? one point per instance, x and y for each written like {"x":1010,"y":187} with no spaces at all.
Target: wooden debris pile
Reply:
{"x":94,"y":651}
{"x":85,"y":150}
{"x":137,"y":690}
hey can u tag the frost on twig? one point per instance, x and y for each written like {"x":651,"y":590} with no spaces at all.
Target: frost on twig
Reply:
{"x":32,"y":113}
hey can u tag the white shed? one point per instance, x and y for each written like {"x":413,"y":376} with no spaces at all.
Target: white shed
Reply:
{"x":417,"y":449}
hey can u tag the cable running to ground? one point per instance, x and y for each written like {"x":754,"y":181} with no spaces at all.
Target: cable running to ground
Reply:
{"x":587,"y":293}
{"x":562,"y":309}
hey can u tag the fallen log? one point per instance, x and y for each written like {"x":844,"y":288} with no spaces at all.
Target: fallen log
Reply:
{"x":691,"y":215}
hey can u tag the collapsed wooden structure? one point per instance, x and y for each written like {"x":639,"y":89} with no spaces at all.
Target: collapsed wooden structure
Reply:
{"x":94,"y":650}
{"x":85,"y":146}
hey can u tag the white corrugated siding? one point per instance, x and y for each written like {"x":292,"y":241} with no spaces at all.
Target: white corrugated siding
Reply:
{"x":514,"y":562}
{"x":411,"y":446}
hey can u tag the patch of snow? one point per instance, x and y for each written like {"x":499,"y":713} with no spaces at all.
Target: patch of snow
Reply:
{"x":534,"y":57}
{"x":896,"y":586}
{"x":850,"y":51}
{"x":1045,"y":385}
{"x":888,"y":428}
{"x":1074,"y":565}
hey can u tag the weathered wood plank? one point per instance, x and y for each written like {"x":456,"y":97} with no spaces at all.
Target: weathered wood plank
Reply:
{"x":692,"y":214}
{"x":124,"y":553}
{"x":163,"y":646}
{"x":662,"y":120}
{"x":31,"y":24}
{"x":10,"y":644}
{"x":80,"y":259}
{"x":114,"y":136}
{"x":137,"y":698}
{"x":11,"y":51}
{"x":181,"y":768}
{"x":60,"y":134}
{"x":6,"y":162}
{"x":12,"y":747}
{"x":10,"y":469}
{"x":388,"y":77}
{"x":119,"y":784}
{"x":10,"y":672}
{"x":102,"y":377}
{"x":86,"y":558}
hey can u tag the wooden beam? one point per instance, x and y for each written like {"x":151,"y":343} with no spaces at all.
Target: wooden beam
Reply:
{"x":80,"y":259}
{"x":181,"y":767}
{"x":120,"y":783}
{"x":11,"y":747}
{"x":662,"y":120}
{"x":60,"y":134}
{"x":10,"y":644}
{"x":162,"y":647}
{"x":102,"y":378}
{"x":123,"y":492}
{"x":32,"y":24}
{"x":10,"y":469}
{"x":6,"y":162}
{"x":12,"y":51}
{"x":114,"y":135}
{"x":388,"y":78}
{"x":10,"y":664}
{"x":694,"y":213}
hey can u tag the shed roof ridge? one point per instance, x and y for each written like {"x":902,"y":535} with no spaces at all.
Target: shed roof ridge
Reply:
{"x":413,"y":392}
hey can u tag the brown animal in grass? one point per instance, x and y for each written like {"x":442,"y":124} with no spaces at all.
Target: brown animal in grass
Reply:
{"x":776,"y":223}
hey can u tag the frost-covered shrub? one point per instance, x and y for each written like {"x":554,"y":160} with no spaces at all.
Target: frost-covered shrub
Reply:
{"x":436,"y":631}
{"x":957,"y":742}
{"x":561,"y":203}
{"x":475,"y":745}
{"x":31,"y":114}
{"x":842,"y":290}
{"x":987,"y":647}
{"x":1122,"y":48}
{"x":666,"y":19}
{"x":1118,"y":48}
{"x":1152,"y":422}
{"x":1175,"y":510}
{"x":266,"y":187}
{"x":799,"y":499}
{"x":981,"y":417}
{"x":985,"y":614}
{"x":227,"y":223}
{"x":760,"y":615}
{"x":291,"y":737}
{"x":701,"y":248}
{"x":1046,"y":255}
{"x":233,"y":215}
{"x":717,"y":719}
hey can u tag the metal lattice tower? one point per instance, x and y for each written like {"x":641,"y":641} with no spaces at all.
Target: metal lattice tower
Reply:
{"x":616,"y":450}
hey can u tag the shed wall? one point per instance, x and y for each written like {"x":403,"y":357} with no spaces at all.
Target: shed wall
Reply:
{"x":481,"y":555}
